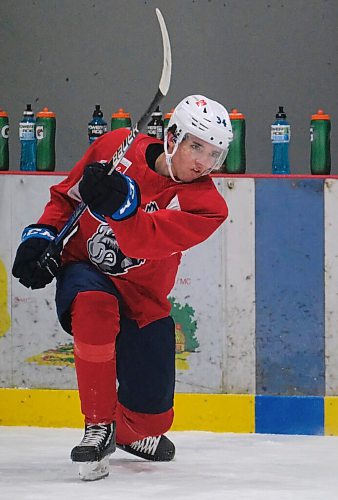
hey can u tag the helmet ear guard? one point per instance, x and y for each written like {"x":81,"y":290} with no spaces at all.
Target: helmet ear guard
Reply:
{"x":172,"y":129}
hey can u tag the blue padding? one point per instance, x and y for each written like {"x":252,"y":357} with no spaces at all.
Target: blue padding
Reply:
{"x":289,"y":415}
{"x":37,"y":232}
{"x":131,"y":202}
{"x":290,"y":287}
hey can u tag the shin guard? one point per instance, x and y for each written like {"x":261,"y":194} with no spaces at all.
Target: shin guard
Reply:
{"x":95,"y":325}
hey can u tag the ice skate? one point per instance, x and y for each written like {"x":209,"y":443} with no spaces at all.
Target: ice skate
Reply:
{"x":154,"y":448}
{"x":92,"y":454}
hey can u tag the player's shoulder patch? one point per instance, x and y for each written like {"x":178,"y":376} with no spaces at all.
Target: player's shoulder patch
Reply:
{"x":151,"y":207}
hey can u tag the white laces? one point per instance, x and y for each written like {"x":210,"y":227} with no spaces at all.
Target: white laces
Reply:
{"x":94,"y":435}
{"x":146,"y":445}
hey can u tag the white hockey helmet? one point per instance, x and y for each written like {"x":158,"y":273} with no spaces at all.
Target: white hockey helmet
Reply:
{"x":204,"y":118}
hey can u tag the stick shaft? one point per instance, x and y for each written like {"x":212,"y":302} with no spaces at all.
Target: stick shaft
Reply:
{"x":54,"y":246}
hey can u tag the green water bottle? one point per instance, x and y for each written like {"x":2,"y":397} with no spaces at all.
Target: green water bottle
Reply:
{"x":45,"y":136}
{"x":120,"y":119}
{"x":4,"y":134}
{"x":320,"y":143}
{"x":167,"y":117}
{"x":235,"y":162}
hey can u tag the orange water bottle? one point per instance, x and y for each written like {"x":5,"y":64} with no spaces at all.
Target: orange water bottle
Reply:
{"x":45,"y":138}
{"x":235,"y":162}
{"x":120,"y":119}
{"x":167,"y":117}
{"x":320,"y":143}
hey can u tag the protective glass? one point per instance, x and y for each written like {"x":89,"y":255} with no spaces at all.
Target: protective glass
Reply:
{"x":206,"y":154}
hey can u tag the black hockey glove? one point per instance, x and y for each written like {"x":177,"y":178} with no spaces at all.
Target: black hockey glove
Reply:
{"x":35,"y":239}
{"x":116,"y":196}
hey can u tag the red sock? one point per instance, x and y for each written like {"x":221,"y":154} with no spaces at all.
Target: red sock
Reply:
{"x":132,"y":426}
{"x":95,"y":325}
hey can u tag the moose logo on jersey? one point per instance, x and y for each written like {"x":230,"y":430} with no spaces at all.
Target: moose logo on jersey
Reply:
{"x":105,"y":253}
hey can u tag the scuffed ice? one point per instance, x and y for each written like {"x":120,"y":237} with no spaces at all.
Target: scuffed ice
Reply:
{"x":35,"y":465}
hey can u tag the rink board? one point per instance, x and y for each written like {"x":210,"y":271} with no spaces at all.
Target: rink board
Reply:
{"x":255,"y":308}
{"x":205,"y":412}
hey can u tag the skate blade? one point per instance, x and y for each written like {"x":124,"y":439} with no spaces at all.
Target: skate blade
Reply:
{"x":92,"y":471}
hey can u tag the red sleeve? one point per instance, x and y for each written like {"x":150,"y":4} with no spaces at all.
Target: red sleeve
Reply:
{"x":64,"y":197}
{"x":160,"y":234}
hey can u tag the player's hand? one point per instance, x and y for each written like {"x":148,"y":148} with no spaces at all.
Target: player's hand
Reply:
{"x":116,"y":196}
{"x":26,"y":267}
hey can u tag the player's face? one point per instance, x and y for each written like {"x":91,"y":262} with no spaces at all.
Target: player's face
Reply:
{"x":194,"y":158}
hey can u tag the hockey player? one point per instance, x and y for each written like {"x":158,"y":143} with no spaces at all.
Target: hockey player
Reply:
{"x":117,"y":269}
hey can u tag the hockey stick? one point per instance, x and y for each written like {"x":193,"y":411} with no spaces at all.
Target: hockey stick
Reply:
{"x":162,"y":91}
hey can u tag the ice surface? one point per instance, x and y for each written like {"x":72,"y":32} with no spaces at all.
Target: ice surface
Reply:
{"x":35,"y":465}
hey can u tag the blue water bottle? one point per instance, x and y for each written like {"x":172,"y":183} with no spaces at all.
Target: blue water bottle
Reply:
{"x":97,"y":126}
{"x":280,"y":138}
{"x":27,"y":140}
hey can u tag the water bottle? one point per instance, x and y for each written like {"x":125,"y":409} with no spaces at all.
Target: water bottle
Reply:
{"x":120,"y":119}
{"x":167,"y":117}
{"x":280,"y":137}
{"x":155,"y":127}
{"x":45,"y":137}
{"x":28,"y":140}
{"x":97,"y":125}
{"x":320,"y":143}
{"x":4,"y":134}
{"x":235,"y":162}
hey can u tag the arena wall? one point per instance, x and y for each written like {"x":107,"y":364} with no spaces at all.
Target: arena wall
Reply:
{"x":255,"y":308}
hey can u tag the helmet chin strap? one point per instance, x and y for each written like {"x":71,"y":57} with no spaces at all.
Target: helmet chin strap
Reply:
{"x":171,"y":172}
{"x":169,"y":156}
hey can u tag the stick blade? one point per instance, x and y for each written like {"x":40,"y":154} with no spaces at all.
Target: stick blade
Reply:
{"x":166,"y":70}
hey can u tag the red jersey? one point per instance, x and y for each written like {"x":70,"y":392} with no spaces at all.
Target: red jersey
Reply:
{"x":141,"y":254}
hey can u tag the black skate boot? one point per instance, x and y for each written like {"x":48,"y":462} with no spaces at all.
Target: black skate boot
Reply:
{"x":93,"y":452}
{"x":157,"y":449}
